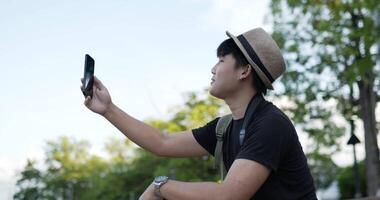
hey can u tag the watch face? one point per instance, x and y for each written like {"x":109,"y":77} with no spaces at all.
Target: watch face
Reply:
{"x":160,"y":179}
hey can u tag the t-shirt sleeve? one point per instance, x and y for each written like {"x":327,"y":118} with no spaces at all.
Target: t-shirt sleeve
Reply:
{"x":267,"y":141}
{"x":206,"y":136}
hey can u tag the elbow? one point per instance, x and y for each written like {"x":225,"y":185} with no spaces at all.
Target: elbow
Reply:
{"x":159,"y":152}
{"x":155,"y":151}
{"x":159,"y":149}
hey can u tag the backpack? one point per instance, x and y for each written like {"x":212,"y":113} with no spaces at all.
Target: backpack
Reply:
{"x":220,"y":130}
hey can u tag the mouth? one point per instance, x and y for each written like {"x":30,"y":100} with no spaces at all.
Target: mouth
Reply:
{"x":212,"y":81}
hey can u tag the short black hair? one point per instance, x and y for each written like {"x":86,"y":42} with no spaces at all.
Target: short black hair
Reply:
{"x":228,"y":46}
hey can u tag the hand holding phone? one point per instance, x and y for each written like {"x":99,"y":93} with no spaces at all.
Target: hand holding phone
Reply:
{"x":88,"y":77}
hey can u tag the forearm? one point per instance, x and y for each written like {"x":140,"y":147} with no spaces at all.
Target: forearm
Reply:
{"x":194,"y":191}
{"x":140,"y":133}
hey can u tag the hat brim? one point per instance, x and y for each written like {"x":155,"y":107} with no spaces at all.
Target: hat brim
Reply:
{"x":260,"y":73}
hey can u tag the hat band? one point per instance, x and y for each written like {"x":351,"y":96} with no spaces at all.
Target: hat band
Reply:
{"x":252,"y":54}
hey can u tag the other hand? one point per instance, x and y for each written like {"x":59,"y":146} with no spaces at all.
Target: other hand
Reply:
{"x":149,"y":194}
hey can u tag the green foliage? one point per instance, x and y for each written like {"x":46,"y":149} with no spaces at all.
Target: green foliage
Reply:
{"x":322,"y":168}
{"x":71,"y":172}
{"x":330,"y":50}
{"x":346,"y":181}
{"x":29,"y":183}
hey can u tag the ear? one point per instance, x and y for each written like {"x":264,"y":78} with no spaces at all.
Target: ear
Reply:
{"x":245,"y":71}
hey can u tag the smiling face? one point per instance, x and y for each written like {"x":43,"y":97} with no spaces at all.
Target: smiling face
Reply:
{"x":225,"y":79}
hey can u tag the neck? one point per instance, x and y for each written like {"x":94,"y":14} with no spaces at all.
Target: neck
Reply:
{"x":238,"y":103}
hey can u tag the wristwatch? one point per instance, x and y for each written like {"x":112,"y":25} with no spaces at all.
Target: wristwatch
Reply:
{"x":158,"y":182}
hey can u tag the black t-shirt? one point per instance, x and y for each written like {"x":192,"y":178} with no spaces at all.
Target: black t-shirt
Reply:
{"x":272,"y":141}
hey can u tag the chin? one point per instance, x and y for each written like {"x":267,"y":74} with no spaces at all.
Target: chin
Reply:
{"x":215,"y":93}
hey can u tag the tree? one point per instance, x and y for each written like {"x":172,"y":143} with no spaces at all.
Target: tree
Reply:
{"x":330,"y":47}
{"x":73,"y":173}
{"x":30,"y":183}
{"x":345,"y":184}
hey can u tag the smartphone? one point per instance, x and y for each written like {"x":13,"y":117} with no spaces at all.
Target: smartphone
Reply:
{"x":88,"y":77}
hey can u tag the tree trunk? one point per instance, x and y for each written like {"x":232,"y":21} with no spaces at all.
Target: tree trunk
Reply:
{"x":367,"y":109}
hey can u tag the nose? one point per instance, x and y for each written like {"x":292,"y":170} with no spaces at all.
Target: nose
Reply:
{"x":213,"y":69}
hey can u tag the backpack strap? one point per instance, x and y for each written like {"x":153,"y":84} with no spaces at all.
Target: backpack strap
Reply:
{"x":248,"y":116}
{"x":221,"y":129}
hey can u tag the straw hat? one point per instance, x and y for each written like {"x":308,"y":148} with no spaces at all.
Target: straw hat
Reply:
{"x":262,"y":53}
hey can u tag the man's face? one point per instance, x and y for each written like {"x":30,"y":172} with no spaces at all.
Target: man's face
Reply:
{"x":225,"y":79}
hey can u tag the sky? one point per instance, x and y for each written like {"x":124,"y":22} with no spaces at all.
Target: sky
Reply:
{"x":147,"y":53}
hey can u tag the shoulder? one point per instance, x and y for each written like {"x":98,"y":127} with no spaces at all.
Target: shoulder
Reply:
{"x":272,"y":119}
{"x":206,"y":136}
{"x":211,"y":125}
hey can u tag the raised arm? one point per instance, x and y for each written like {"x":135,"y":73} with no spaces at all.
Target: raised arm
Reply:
{"x":181,"y":144}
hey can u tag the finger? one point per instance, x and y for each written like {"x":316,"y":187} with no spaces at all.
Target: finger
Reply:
{"x":87,"y":101}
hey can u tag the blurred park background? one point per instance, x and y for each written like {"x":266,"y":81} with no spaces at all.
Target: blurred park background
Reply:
{"x":155,"y":57}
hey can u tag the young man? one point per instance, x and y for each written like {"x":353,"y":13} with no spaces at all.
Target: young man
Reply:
{"x":265,"y":161}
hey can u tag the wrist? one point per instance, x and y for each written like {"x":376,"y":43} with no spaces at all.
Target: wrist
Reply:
{"x":158,"y":182}
{"x":109,"y":112}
